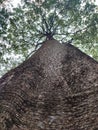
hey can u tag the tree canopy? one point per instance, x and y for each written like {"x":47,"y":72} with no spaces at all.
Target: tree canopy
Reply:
{"x":23,"y":29}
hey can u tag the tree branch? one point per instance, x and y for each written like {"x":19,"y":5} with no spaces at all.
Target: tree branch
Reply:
{"x":36,"y":47}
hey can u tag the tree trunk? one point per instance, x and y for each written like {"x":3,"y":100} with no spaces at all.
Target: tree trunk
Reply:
{"x":56,"y":89}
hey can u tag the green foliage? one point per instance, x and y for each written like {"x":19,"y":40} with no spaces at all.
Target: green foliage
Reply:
{"x":4,"y":15}
{"x":29,"y":24}
{"x":1,"y":1}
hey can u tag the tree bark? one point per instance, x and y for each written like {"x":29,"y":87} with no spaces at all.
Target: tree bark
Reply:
{"x":55,"y":89}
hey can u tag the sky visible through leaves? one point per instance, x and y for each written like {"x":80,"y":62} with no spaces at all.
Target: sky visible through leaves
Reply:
{"x":15,"y":2}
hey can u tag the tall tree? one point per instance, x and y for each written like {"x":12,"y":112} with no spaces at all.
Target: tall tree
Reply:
{"x":57,"y":87}
{"x":65,"y":20}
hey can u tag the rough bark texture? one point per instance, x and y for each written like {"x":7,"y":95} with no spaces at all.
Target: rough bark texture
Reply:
{"x":56,"y":89}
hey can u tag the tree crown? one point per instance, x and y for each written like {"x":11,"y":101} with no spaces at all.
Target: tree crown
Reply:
{"x":35,"y":21}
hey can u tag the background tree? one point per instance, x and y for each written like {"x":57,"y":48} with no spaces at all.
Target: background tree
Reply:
{"x":34,"y":21}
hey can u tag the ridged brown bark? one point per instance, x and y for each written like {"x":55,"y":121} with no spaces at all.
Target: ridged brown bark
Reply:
{"x":55,"y":89}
